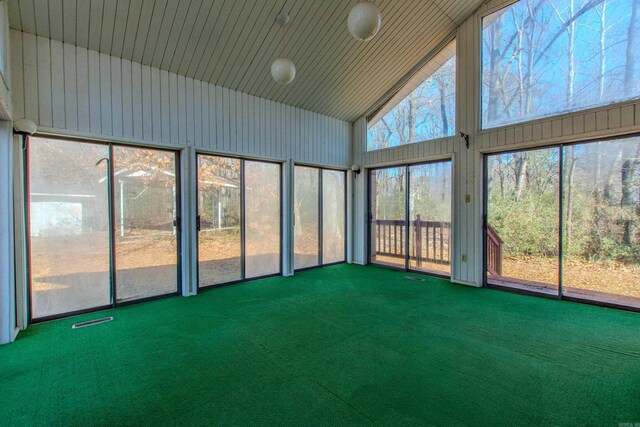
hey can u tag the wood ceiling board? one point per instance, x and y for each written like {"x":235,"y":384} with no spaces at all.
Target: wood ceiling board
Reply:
{"x":206,"y":10}
{"x":362,"y":53}
{"x":233,"y":43}
{"x":270,"y":51}
{"x":268,"y":37}
{"x":350,"y":49}
{"x":131,"y":28}
{"x":390,"y":74}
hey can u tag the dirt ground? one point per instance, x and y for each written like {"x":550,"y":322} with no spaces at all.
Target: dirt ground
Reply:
{"x":614,"y":278}
{"x":73,"y":273}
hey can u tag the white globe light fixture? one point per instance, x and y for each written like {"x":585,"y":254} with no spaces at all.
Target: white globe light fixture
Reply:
{"x":364,"y":21}
{"x":283,"y":70}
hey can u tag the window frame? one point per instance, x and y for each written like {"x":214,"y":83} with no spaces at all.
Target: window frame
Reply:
{"x":320,"y":169}
{"x":479,"y":91}
{"x":451,"y":38}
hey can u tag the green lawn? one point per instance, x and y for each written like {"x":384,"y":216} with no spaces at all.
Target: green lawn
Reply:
{"x":340,"y":345}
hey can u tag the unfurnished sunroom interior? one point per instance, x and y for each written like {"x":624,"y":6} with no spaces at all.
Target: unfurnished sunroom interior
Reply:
{"x":299,"y":212}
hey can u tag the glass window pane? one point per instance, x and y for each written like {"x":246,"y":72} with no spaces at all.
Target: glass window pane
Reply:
{"x":306,"y":217}
{"x":69,"y":226}
{"x":427,"y":112}
{"x":542,"y":58}
{"x":388,"y":215}
{"x":430,"y":217}
{"x":219,"y":240}
{"x":145,"y":209}
{"x":523,"y":222}
{"x":262,"y":218}
{"x":601,"y":221}
{"x":333,"y":216}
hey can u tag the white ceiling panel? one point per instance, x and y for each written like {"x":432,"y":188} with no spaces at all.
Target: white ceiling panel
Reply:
{"x":232,"y":43}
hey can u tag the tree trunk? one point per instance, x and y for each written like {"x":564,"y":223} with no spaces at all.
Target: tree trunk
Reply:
{"x":571,"y":30}
{"x":443,"y":106}
{"x":632,"y":51}
{"x":494,"y":64}
{"x":603,"y":58}
{"x":608,"y":187}
{"x":521,"y":174}
{"x":570,"y":167}
{"x":412,"y":117}
{"x":626,"y":176}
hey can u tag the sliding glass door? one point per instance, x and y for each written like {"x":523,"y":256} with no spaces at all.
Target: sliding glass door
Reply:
{"x":102,"y":225}
{"x":601,"y":221}
{"x":69,"y":237}
{"x":333,"y":216}
{"x":319,"y":216}
{"x":564,"y":221}
{"x":239,"y":219}
{"x":410,"y":217}
{"x":219,"y":213}
{"x":146,"y":247}
{"x":430,"y":217}
{"x":262,"y":218}
{"x":306,"y":211}
{"x":523,"y":221}
{"x":388,"y":213}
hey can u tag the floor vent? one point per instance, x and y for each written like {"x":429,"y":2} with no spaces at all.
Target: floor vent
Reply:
{"x":415,"y":279}
{"x":92,"y":322}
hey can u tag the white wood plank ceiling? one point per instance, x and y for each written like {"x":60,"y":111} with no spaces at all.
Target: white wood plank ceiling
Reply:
{"x":232,"y":43}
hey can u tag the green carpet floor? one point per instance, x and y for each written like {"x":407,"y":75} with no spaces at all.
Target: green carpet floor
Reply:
{"x":342,"y":345}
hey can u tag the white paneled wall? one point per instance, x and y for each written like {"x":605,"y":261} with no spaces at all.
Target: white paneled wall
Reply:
{"x":603,"y":122}
{"x":71,"y":90}
{"x":7,"y":241}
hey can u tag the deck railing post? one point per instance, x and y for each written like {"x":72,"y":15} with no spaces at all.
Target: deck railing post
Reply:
{"x":418,"y":240}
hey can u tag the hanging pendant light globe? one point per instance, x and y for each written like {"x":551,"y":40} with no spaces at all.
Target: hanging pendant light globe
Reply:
{"x":283,"y":71}
{"x":364,"y":21}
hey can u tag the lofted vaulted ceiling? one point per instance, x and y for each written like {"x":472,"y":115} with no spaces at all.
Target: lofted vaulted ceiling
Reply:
{"x":231,"y":43}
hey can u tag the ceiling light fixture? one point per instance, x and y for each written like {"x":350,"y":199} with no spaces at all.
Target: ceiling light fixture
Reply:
{"x":283,"y":70}
{"x":364,"y":21}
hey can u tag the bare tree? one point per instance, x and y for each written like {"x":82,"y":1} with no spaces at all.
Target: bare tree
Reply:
{"x":632,"y":51}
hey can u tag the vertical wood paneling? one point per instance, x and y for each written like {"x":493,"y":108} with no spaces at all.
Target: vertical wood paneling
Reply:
{"x":70,"y":81}
{"x":173,"y":107}
{"x":57,"y":85}
{"x":105,"y":94}
{"x":182,"y":110}
{"x":43,"y":59}
{"x":127,"y":100}
{"x":136,"y":97}
{"x":156,"y":106}
{"x":95,"y":115}
{"x":82,"y":86}
{"x":165,"y":102}
{"x":17,"y":69}
{"x":71,"y":89}
{"x":204,"y":102}
{"x":226,"y":111}
{"x":197,"y":113}
{"x":116,"y":97}
{"x":147,"y":104}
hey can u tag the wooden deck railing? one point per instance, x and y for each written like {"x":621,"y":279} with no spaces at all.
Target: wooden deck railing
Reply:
{"x":429,"y":240}
{"x":494,"y":252}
